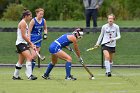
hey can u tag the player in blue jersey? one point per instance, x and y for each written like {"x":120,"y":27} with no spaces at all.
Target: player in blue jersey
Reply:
{"x":56,"y":52}
{"x":36,"y":27}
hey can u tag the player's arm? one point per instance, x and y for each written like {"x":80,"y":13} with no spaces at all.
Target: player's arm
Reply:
{"x":45,"y":30}
{"x":118,"y":34}
{"x":100,"y":37}
{"x":23,"y":32}
{"x":75,"y":45}
{"x":31,"y":24}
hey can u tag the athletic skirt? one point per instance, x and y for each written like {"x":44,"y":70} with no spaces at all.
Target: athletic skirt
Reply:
{"x":22,"y":47}
{"x":109,"y":49}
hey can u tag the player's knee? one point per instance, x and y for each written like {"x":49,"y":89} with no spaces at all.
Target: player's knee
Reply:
{"x":29,"y":58}
{"x":107,"y":57}
{"x":69,"y":59}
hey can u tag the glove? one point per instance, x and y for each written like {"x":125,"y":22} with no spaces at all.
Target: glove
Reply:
{"x":81,"y":60}
{"x":69,"y":48}
{"x":96,"y":46}
{"x":45,"y":36}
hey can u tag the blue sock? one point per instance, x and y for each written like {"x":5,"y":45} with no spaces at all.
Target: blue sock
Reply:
{"x":68,"y":69}
{"x":33,"y":64}
{"x":50,"y":67}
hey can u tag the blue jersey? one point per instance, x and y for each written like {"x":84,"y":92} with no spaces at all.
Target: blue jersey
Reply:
{"x":63,"y":40}
{"x":36,"y":33}
{"x":59,"y":43}
{"x":38,"y":27}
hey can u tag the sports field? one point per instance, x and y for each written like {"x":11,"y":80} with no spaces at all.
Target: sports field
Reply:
{"x":124,"y":80}
{"x":127,"y":51}
{"x":70,"y":23}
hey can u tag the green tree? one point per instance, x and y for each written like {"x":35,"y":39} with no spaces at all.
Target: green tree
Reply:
{"x":13,"y":12}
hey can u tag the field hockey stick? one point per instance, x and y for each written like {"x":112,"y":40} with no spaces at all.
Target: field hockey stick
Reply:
{"x":91,"y":75}
{"x":96,"y":47}
{"x":40,"y":56}
{"x":38,"y":41}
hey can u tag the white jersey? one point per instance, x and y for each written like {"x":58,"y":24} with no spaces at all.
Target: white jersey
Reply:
{"x":109,"y":33}
{"x":19,"y":36}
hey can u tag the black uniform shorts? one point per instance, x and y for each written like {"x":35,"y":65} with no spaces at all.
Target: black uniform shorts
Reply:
{"x":109,"y":49}
{"x":22,"y":47}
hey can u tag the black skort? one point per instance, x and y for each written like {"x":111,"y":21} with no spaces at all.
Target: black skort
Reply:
{"x":22,"y":47}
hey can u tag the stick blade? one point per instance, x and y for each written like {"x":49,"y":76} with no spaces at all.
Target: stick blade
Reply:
{"x":42,"y":57}
{"x":89,"y":49}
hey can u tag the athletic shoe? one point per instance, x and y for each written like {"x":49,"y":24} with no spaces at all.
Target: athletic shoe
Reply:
{"x":70,"y":78}
{"x":46,"y":77}
{"x":18,"y":78}
{"x":108,"y":74}
{"x":32,"y":77}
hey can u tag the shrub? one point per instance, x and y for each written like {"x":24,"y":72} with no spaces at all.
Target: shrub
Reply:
{"x":13,"y":12}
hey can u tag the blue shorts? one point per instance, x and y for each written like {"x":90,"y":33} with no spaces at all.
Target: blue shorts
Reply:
{"x":54,"y":48}
{"x":35,"y":38}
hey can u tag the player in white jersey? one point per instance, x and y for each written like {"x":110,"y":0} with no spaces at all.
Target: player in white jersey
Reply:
{"x":22,"y":47}
{"x":110,"y":32}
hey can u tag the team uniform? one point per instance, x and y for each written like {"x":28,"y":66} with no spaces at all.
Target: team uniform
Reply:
{"x":21,"y":44}
{"x":59,"y":43}
{"x":109,"y":33}
{"x":54,"y":48}
{"x":36,"y":33}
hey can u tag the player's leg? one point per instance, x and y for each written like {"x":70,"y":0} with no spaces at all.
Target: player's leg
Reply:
{"x":62,"y":55}
{"x":34,"y":40}
{"x":50,"y":66}
{"x":111,"y":59}
{"x":107,"y":62}
{"x":28,"y":57}
{"x":18,"y":67}
{"x":34,"y":55}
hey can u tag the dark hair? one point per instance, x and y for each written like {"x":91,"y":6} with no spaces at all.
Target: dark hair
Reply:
{"x":26,"y":13}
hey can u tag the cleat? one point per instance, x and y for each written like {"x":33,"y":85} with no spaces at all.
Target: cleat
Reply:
{"x":18,"y":78}
{"x":70,"y":78}
{"x":108,"y":74}
{"x":46,"y":77}
{"x":32,"y":77}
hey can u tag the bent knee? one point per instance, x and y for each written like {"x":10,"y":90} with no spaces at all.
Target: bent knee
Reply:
{"x":69,"y":59}
{"x":29,"y":58}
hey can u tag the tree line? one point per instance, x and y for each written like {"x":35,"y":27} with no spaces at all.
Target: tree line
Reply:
{"x":69,"y":9}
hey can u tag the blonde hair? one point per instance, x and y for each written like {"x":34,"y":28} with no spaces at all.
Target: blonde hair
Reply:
{"x":111,"y":15}
{"x":39,"y":9}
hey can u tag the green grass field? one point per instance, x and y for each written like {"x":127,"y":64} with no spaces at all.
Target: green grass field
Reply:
{"x":127,"y":51}
{"x":70,"y":23}
{"x":124,"y":80}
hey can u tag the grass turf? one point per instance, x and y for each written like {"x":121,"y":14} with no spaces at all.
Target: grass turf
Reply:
{"x":127,"y":50}
{"x":124,"y":80}
{"x":70,"y":23}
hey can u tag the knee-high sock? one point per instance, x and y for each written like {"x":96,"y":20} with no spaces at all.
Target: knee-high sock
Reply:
{"x":50,"y":67}
{"x":68,"y":69}
{"x":111,"y":63}
{"x":17,"y":68}
{"x":28,"y":69}
{"x":107,"y":65}
{"x":33,"y":64}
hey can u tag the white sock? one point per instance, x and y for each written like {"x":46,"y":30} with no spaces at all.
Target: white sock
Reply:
{"x":17,"y":68}
{"x":111,"y":63}
{"x":107,"y":65}
{"x":28,"y":69}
